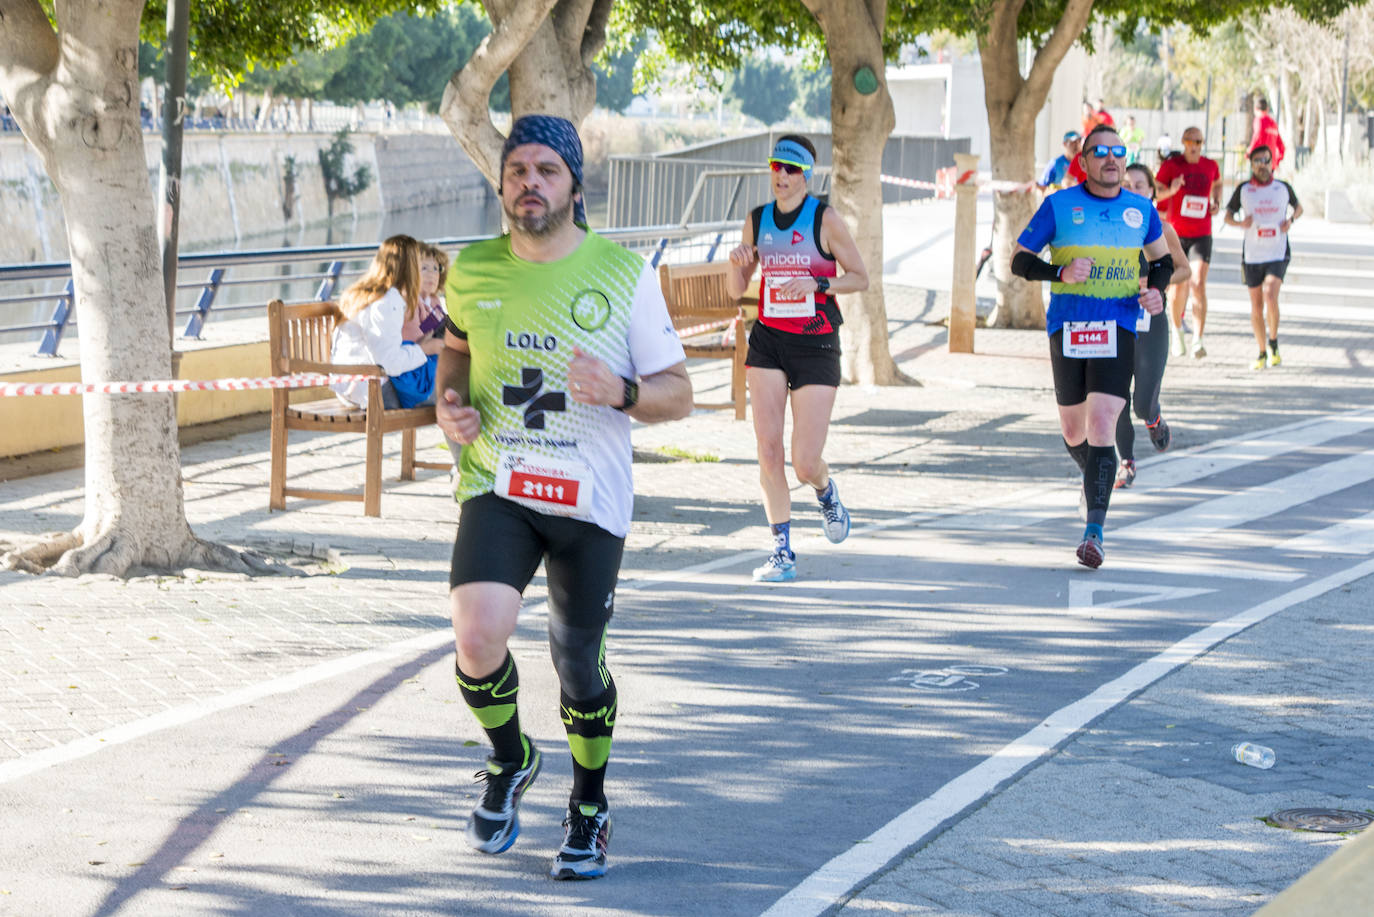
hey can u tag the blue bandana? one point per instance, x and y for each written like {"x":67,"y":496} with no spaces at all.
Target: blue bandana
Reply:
{"x":794,"y":154}
{"x":559,"y":135}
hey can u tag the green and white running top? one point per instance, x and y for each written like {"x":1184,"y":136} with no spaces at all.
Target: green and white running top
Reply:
{"x":522,"y":320}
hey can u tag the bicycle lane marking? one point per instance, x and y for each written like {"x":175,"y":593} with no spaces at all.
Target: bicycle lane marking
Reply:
{"x":832,"y":883}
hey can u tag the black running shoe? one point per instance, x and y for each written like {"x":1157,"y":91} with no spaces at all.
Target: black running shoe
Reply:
{"x":1159,"y":434}
{"x":588,"y":834}
{"x":495,"y":824}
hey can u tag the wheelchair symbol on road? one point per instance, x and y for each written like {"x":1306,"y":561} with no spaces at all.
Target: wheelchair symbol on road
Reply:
{"x":950,"y":678}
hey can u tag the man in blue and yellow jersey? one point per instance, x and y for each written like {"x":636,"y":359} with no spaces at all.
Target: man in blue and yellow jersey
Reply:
{"x":1096,"y":232}
{"x":555,"y":338}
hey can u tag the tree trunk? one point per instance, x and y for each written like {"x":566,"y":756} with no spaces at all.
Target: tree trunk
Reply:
{"x":1013,"y":103}
{"x":860,"y":125}
{"x":1020,"y":303}
{"x":1166,"y":60}
{"x":77,"y":102}
{"x":548,"y":47}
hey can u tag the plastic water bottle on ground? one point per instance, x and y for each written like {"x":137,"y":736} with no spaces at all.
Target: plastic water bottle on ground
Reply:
{"x":1254,"y":755}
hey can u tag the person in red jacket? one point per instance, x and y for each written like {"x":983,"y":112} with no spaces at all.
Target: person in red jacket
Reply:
{"x":1264,"y":131}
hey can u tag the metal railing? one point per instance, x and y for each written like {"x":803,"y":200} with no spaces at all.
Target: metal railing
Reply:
{"x":668,"y":187}
{"x":324,"y":270}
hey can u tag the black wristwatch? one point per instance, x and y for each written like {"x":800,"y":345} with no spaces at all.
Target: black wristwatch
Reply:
{"x":631,"y":394}
{"x":822,"y":284}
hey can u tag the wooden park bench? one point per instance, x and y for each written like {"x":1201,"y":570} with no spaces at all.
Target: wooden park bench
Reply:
{"x":710,"y":321}
{"x":300,"y":338}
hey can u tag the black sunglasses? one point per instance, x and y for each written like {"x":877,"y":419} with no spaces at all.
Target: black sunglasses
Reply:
{"x":1100,"y":151}
{"x":785,"y":167}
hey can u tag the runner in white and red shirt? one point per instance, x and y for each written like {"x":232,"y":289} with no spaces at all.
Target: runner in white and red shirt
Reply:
{"x":1189,"y":187}
{"x":1270,"y":207}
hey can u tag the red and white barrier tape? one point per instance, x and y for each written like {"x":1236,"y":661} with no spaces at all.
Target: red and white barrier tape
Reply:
{"x":706,"y":326}
{"x":303,"y":380}
{"x":946,"y":179}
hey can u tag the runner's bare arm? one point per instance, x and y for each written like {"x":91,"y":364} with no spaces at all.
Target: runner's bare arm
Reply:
{"x":743,"y":259}
{"x":459,"y":421}
{"x":1182,"y":269}
{"x":664,"y":395}
{"x":835,"y":238}
{"x":1288,"y":223}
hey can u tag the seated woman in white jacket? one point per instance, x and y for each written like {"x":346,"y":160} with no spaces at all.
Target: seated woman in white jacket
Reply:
{"x":375,"y":309}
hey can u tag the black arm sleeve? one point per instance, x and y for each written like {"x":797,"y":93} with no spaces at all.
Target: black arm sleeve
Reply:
{"x":454,"y":329}
{"x":1160,"y":272}
{"x":1032,"y":267}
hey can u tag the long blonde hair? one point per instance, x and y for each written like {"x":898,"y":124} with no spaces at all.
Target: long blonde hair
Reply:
{"x":396,"y":264}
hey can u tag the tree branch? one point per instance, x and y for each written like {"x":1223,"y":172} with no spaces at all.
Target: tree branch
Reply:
{"x":1002,"y":27}
{"x":465,"y":106}
{"x":28,"y":59}
{"x":594,"y":38}
{"x":1048,"y":58}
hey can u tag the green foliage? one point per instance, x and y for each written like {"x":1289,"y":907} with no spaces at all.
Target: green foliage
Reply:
{"x":814,"y":86}
{"x":720,"y":35}
{"x":229,"y":37}
{"x":764,"y":90}
{"x":402,"y":58}
{"x":615,"y":73}
{"x":338,"y":184}
{"x":1039,"y":17}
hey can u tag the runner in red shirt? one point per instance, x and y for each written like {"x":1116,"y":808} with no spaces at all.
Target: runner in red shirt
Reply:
{"x":1190,"y":187}
{"x":1265,"y":132}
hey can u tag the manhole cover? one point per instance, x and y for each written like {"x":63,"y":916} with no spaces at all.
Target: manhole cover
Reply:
{"x":1335,"y":821}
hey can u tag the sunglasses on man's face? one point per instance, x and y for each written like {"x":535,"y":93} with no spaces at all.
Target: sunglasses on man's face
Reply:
{"x":786,"y":167}
{"x":1262,"y":162}
{"x":1101,"y":152}
{"x":1191,"y":141}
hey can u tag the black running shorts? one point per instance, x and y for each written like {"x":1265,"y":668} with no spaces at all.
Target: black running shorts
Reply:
{"x":1255,"y":273}
{"x":1197,"y":247}
{"x":503,"y":542}
{"x":1074,"y":378}
{"x":806,"y":359}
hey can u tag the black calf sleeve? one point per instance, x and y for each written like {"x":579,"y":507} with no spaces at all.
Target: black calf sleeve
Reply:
{"x":1099,"y":476}
{"x":1078,"y":453}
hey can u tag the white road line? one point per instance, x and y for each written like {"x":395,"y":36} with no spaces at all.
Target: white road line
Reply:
{"x":1355,"y":536}
{"x":1083,"y":593}
{"x":832,"y":883}
{"x":186,"y":713}
{"x":1033,"y":505}
{"x":1207,"y":518}
{"x":1183,"y":468}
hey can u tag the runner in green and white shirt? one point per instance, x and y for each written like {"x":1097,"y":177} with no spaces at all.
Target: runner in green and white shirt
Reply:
{"x":555,"y":338}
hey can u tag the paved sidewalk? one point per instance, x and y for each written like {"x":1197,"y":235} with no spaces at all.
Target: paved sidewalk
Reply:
{"x":1146,"y":812}
{"x":1142,"y":813}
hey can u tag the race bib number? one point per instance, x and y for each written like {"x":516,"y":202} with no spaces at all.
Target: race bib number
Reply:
{"x":1089,"y":340}
{"x":1142,"y":321}
{"x":1267,"y":232}
{"x":778,"y":305}
{"x":1194,"y":206}
{"x":559,"y":487}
